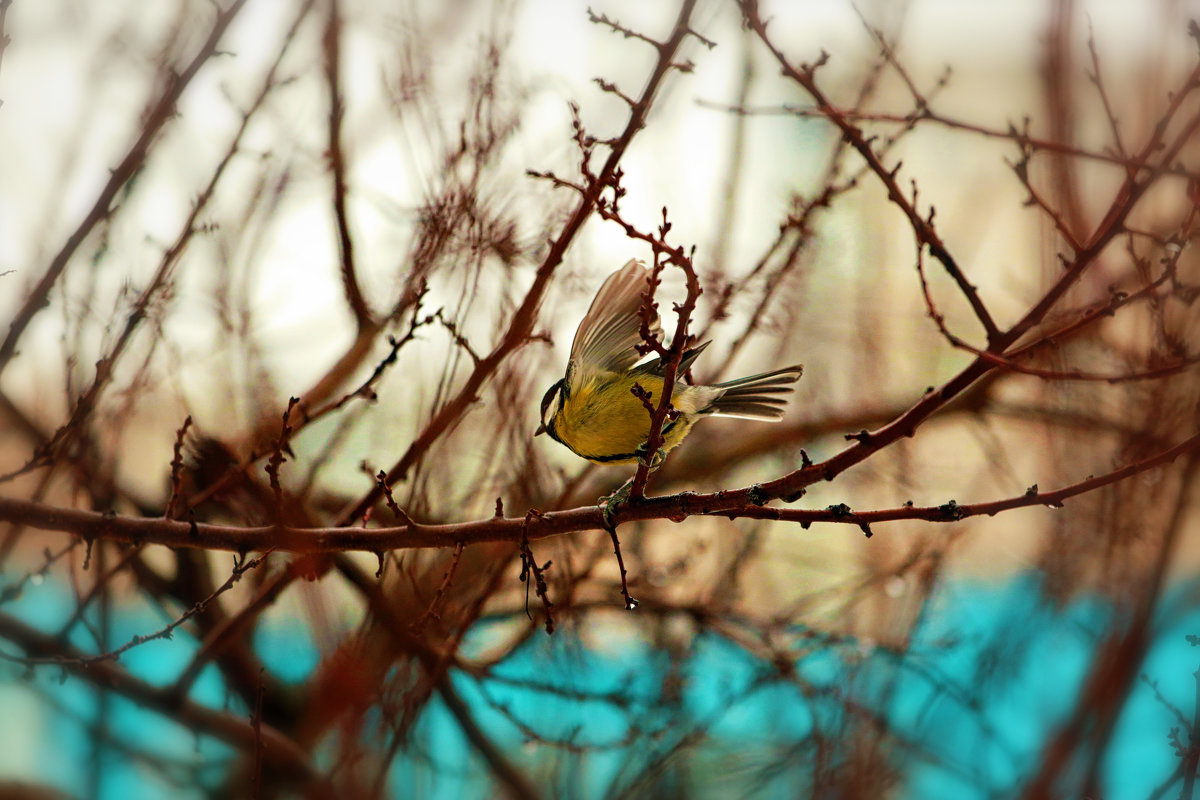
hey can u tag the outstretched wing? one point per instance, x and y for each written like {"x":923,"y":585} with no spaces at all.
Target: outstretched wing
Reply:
{"x":608,"y":336}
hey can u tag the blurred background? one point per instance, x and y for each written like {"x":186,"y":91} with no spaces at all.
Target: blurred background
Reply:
{"x":209,"y":208}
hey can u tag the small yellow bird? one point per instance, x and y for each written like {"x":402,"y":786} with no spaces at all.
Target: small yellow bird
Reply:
{"x":597,"y":415}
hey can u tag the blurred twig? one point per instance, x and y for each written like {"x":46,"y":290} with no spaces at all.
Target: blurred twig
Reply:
{"x":159,"y":114}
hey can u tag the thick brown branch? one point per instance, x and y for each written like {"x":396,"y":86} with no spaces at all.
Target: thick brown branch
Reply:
{"x":735,"y":502}
{"x":952,"y":511}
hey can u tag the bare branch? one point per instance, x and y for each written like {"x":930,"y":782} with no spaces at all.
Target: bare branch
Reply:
{"x":337,"y":163}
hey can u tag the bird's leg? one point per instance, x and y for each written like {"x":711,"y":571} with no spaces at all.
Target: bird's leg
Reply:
{"x":610,"y":503}
{"x":654,"y":463}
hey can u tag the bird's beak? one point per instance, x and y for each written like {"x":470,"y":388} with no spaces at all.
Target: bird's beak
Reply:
{"x":541,"y":429}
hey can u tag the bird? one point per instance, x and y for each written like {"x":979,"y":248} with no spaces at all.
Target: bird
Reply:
{"x":593,"y":409}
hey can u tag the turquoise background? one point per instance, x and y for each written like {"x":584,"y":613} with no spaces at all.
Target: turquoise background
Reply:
{"x":991,"y":672}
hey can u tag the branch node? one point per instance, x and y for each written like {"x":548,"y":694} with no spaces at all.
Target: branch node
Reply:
{"x":951,"y":511}
{"x":839,"y":511}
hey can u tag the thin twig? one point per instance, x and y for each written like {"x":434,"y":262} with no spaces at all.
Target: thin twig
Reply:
{"x":630,"y":602}
{"x":332,"y":43}
{"x":177,"y":468}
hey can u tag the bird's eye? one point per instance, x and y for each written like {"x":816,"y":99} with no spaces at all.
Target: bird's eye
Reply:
{"x":548,"y":398}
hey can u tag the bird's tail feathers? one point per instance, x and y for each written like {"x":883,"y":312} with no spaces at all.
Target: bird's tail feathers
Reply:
{"x":756,"y":396}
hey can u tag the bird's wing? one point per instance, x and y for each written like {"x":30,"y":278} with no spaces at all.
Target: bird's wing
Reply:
{"x":655,"y":366}
{"x":609,"y":333}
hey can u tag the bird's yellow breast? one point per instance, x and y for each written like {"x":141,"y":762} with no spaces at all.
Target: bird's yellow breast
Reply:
{"x":604,"y":422}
